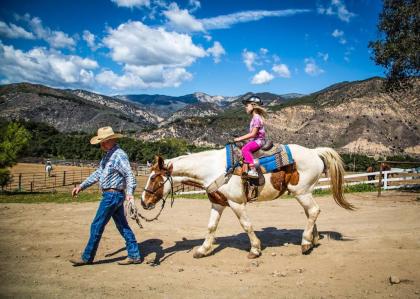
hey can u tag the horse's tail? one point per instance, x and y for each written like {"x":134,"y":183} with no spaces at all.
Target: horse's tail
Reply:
{"x":334,"y":165}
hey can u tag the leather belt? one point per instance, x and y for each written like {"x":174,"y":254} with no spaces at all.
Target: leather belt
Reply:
{"x":112,"y":190}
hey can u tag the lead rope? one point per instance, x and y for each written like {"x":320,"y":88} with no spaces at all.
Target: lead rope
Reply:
{"x":133,"y":213}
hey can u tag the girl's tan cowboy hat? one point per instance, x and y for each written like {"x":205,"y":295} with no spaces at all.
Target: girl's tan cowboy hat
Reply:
{"x":105,"y":133}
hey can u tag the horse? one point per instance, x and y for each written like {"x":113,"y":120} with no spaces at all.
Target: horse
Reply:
{"x":203,"y":168}
{"x":48,"y":169}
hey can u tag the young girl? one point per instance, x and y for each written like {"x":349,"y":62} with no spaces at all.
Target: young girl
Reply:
{"x":256,"y":135}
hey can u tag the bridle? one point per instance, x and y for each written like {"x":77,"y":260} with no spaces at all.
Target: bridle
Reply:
{"x":135,"y":213}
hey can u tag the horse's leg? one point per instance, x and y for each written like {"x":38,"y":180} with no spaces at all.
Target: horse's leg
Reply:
{"x":206,"y":248}
{"x":310,"y":235}
{"x":240,"y":211}
{"x":315,"y":233}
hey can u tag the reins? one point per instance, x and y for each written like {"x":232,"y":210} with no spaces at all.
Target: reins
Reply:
{"x":135,"y":214}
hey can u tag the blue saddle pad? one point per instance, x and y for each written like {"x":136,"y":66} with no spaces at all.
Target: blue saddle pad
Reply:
{"x":282,"y":157}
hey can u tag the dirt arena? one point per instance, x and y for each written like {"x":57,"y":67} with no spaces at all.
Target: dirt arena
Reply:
{"x":359,"y":252}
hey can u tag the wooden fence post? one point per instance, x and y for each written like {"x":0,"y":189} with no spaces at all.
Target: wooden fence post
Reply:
{"x":20,"y":182}
{"x":64,"y":178}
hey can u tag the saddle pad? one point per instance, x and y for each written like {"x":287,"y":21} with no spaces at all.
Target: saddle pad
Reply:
{"x":273,"y":162}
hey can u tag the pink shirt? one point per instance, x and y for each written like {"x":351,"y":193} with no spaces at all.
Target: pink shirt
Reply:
{"x":257,"y":122}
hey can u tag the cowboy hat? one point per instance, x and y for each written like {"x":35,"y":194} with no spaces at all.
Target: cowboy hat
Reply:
{"x":105,"y":133}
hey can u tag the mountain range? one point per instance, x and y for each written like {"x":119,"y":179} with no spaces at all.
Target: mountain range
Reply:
{"x":357,"y":117}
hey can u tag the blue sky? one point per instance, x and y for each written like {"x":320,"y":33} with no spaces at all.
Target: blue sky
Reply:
{"x":176,"y":48}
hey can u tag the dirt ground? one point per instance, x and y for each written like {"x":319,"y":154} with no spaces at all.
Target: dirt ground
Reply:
{"x":359,"y":252}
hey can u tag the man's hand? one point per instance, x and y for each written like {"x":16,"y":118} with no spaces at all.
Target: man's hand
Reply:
{"x":129,"y":197}
{"x":75,"y":191}
{"x":237,"y":139}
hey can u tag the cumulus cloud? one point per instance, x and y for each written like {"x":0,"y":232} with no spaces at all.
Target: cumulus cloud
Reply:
{"x":151,"y":57}
{"x":262,"y":77}
{"x":143,"y":77}
{"x":226,"y":21}
{"x":181,"y":20}
{"x":137,"y":44}
{"x":311,"y":68}
{"x":195,"y":4}
{"x":339,"y":34}
{"x":14,"y":31}
{"x":56,"y":39}
{"x":132,"y":3}
{"x":208,"y":37}
{"x":281,"y":70}
{"x":89,"y":38}
{"x":338,"y":8}
{"x":249,"y":58}
{"x":45,"y":67}
{"x":216,"y":51}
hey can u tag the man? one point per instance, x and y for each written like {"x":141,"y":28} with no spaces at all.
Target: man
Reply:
{"x":117,"y":183}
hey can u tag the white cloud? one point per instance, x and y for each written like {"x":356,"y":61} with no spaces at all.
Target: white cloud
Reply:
{"x":195,"y":4}
{"x":226,"y":21}
{"x":208,"y":37}
{"x":337,"y":8}
{"x":249,"y":59}
{"x":90,"y":40}
{"x":262,"y":77}
{"x":151,"y":57}
{"x":311,"y":68}
{"x":263,"y":51}
{"x":281,"y":70}
{"x":132,"y":3}
{"x":181,"y":20}
{"x":339,"y":34}
{"x":56,"y":39}
{"x":45,"y":67}
{"x":13,"y":31}
{"x":137,"y":44}
{"x":324,"y":56}
{"x":144,"y":77}
{"x":216,"y":51}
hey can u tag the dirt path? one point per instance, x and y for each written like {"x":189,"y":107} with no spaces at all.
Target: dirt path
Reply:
{"x":358,"y":254}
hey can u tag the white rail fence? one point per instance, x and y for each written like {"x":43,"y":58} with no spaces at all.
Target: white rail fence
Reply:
{"x":389,"y":178}
{"x":394,"y":179}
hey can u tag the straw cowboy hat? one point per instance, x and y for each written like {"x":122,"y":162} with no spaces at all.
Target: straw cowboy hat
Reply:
{"x":105,"y":133}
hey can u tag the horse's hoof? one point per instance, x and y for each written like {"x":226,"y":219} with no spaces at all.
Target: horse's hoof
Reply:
{"x":253,"y":255}
{"x":198,"y":255}
{"x":307,"y":248}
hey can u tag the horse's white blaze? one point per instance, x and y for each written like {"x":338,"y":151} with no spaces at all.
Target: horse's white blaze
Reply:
{"x":205,"y":167}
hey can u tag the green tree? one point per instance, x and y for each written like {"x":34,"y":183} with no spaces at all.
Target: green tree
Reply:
{"x":13,"y":139}
{"x":397,"y":48}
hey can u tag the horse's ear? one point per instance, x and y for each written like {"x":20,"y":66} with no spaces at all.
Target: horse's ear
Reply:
{"x":160,"y":162}
{"x":170,"y":168}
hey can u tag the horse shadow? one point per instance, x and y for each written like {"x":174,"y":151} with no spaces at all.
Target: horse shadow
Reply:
{"x":269,"y":237}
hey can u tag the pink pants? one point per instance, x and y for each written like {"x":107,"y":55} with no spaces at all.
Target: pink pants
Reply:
{"x":247,"y":151}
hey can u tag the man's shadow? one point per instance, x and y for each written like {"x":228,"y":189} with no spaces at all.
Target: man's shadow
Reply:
{"x":269,"y":236}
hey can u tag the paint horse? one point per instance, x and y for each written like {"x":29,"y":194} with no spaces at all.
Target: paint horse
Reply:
{"x":202,"y":169}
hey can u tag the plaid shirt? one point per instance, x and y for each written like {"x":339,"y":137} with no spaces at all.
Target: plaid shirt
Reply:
{"x":114,"y":172}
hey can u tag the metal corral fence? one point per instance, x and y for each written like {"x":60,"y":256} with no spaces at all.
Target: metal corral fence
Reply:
{"x":66,"y":180}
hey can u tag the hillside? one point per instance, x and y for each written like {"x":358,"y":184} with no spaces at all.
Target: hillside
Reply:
{"x":350,"y":116}
{"x":65,"y":110}
{"x":355,"y":117}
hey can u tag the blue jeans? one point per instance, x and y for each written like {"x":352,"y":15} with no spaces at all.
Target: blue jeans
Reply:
{"x":111,"y":205}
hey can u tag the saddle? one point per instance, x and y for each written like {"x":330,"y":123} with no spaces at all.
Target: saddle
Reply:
{"x":268,"y":159}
